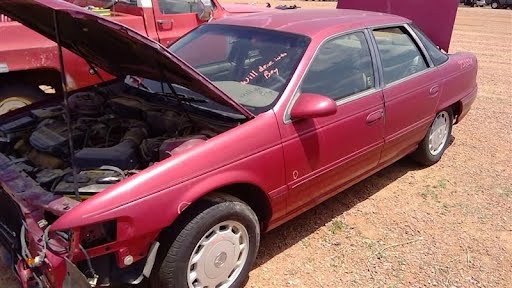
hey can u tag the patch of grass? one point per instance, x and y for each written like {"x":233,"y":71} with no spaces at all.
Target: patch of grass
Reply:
{"x":337,"y":225}
{"x":505,"y":192}
{"x":370,"y":244}
{"x":445,"y":209}
{"x":441,"y":184}
{"x":380,"y":255}
{"x":305,"y":243}
{"x":429,"y":193}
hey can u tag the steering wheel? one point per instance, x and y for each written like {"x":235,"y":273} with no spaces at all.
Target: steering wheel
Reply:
{"x":413,"y":68}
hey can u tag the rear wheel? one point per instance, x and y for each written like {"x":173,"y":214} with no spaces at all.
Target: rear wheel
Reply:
{"x":216,"y":247}
{"x":495,"y":5}
{"x":16,"y":96}
{"x":432,"y":147}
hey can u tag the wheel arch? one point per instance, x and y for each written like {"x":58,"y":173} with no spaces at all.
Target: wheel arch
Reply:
{"x":456,"y":107}
{"x":250,"y":193}
{"x":253,"y":196}
{"x":456,"y":110}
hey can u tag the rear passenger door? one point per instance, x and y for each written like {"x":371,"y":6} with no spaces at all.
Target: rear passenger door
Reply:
{"x":411,"y":90}
{"x":324,"y":154}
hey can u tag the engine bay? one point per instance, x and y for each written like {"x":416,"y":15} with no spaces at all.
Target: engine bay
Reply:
{"x":113,"y":135}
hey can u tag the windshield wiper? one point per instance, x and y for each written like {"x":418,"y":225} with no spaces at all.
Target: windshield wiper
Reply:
{"x":179,"y":96}
{"x":183,"y":98}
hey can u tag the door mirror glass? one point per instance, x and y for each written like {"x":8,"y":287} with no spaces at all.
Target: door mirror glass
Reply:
{"x":310,"y":106}
{"x":204,"y":10}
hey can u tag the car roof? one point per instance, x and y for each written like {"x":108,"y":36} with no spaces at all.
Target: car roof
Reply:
{"x":311,"y":22}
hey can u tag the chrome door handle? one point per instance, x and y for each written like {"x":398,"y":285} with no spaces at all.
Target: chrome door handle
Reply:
{"x":434,"y":90}
{"x":165,"y":24}
{"x":374,"y":116}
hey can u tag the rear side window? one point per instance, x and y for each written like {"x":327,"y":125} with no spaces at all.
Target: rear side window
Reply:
{"x":399,"y":54}
{"x":437,"y":56}
{"x":342,"y":67}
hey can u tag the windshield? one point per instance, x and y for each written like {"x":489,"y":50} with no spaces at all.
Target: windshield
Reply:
{"x":251,"y":65}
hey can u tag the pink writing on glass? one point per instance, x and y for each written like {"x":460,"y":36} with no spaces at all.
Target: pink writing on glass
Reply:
{"x":264,"y":68}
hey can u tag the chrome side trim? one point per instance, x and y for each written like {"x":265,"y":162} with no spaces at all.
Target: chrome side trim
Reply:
{"x":356,"y":96}
{"x":420,"y":44}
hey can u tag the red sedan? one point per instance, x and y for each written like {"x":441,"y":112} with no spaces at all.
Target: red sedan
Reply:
{"x":171,"y":171}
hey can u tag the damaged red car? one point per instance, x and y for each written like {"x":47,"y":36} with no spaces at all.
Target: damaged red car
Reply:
{"x":169,"y":173}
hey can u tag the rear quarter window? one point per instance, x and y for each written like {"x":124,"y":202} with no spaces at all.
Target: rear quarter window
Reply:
{"x":437,"y":56}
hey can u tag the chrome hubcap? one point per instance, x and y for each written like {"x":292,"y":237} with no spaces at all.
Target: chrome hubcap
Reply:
{"x":12,"y":103}
{"x":439,"y":133}
{"x":219,"y":256}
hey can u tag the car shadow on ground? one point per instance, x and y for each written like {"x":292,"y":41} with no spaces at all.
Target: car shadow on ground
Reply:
{"x":292,"y":232}
{"x":283,"y":237}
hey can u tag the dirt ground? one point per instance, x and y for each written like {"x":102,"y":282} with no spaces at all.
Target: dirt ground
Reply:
{"x":449,"y":225}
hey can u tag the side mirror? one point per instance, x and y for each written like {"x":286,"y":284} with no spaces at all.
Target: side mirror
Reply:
{"x":204,"y":10}
{"x":310,"y":106}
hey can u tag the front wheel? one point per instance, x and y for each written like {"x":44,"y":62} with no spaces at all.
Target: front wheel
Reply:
{"x":215,"y":248}
{"x":432,"y":147}
{"x":495,"y":5}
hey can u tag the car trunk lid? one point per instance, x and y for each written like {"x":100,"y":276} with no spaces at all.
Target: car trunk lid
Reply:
{"x":434,"y":17}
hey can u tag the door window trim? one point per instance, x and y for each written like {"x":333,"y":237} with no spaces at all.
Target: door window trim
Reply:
{"x":156,"y":9}
{"x":411,"y":28}
{"x":376,"y":72}
{"x":420,"y":44}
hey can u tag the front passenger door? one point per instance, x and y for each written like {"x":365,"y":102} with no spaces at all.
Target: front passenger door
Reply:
{"x":325,"y":154}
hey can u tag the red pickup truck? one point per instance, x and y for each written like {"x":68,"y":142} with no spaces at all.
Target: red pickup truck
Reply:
{"x":29,"y":64}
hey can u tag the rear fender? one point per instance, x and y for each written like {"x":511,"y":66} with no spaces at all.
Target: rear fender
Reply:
{"x":459,"y":84}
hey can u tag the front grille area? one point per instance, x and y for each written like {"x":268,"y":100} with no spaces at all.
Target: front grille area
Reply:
{"x":10,"y":222}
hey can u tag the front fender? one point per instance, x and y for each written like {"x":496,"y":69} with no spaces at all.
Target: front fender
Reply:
{"x":161,"y":209}
{"x":152,"y":199}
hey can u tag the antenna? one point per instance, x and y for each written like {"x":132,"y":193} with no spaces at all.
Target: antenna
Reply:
{"x":66,"y":106}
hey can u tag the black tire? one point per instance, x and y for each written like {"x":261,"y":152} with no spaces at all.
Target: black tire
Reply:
{"x":423,"y":155}
{"x":22,"y":94}
{"x":495,"y":5}
{"x":180,"y":241}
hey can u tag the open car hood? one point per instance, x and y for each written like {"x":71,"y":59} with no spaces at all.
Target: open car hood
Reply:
{"x":434,"y":17}
{"x":111,"y":46}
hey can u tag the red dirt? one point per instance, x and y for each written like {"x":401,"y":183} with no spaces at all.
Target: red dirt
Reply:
{"x":448,"y":225}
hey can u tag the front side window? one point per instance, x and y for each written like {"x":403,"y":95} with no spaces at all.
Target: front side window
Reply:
{"x":399,"y":54}
{"x":342,"y":67}
{"x":251,"y":65}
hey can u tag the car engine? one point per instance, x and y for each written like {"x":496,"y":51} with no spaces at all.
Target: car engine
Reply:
{"x":112,"y":137}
